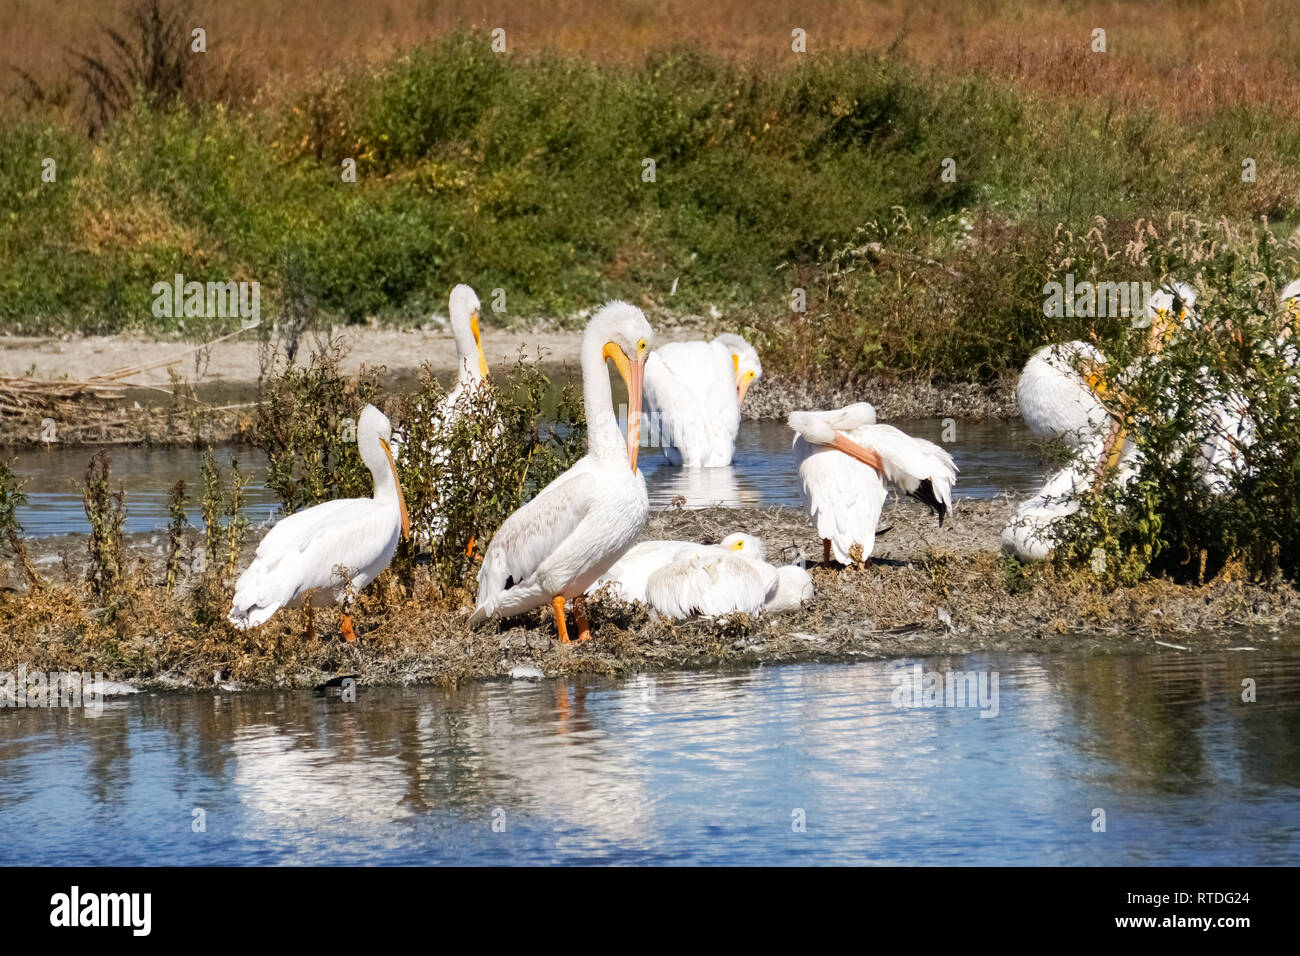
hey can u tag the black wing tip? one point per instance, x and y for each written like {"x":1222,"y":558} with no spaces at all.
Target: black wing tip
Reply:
{"x":925,"y":493}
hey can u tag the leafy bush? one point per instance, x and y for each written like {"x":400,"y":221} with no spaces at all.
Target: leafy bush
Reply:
{"x":1213,"y":413}
{"x":463,"y":477}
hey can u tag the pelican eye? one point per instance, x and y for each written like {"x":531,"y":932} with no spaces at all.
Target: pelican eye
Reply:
{"x":641,"y":346}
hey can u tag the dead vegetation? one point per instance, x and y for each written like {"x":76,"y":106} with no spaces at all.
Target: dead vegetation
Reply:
{"x":927,"y":592}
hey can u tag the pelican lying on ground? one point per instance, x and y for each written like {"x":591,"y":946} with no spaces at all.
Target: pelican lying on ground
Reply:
{"x":845,"y":460}
{"x":693,"y":393}
{"x":554,"y":547}
{"x":468,"y":396}
{"x":330,"y":551}
{"x":628,"y":578}
{"x":793,"y":584}
{"x":710,"y":582}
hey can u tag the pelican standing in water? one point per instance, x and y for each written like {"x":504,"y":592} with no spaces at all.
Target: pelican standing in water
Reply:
{"x":326,"y":554}
{"x":693,"y":392}
{"x":845,"y":460}
{"x":554,"y":547}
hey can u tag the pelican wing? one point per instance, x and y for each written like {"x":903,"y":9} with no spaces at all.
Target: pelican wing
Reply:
{"x":530,"y":535}
{"x":627,"y":576}
{"x":918,"y":467}
{"x":307,"y":550}
{"x":844,"y":496}
{"x":707,"y":586}
{"x":1054,"y":398}
{"x":690,"y":393}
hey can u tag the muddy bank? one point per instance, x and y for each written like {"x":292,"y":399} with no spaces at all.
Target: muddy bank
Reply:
{"x":188,"y":395}
{"x":927,"y":591}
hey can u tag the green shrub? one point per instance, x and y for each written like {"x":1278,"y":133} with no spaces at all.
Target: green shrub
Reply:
{"x":1240,"y":350}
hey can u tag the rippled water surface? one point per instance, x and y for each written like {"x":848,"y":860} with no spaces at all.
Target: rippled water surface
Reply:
{"x":993,"y":457}
{"x":682,"y":768}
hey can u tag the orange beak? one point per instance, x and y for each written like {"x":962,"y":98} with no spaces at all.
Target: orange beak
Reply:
{"x":636,"y":376}
{"x":867,"y":456}
{"x":741,"y":389}
{"x":401,"y":498}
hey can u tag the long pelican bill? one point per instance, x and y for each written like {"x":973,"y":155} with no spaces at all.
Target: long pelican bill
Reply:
{"x":867,"y":456}
{"x":743,"y":386}
{"x":478,"y":344}
{"x":633,"y":375}
{"x":401,"y":498}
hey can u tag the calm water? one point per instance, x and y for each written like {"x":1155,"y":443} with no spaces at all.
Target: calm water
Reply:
{"x":993,"y":457}
{"x":682,"y":768}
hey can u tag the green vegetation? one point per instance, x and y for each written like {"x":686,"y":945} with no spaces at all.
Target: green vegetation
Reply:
{"x":106,"y":512}
{"x":1214,"y":418}
{"x":503,"y":443}
{"x":525,"y":174}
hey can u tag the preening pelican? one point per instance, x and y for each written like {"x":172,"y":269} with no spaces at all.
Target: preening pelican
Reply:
{"x":845,"y":459}
{"x":468,"y":396}
{"x":332,"y":550}
{"x":693,"y":393}
{"x":1057,"y":392}
{"x":554,"y":547}
{"x":1108,"y":451}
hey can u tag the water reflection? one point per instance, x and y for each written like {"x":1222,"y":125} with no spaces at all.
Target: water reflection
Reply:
{"x":681,"y":768}
{"x":993,"y":458}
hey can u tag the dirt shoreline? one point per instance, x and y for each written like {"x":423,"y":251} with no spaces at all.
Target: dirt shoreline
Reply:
{"x":218,"y":383}
{"x":929,"y":591}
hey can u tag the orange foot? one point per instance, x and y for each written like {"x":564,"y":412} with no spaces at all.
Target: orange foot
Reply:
{"x":349,"y":635}
{"x":580,"y":618}
{"x":561,"y":629}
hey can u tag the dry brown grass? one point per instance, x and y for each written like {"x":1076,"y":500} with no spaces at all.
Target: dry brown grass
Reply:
{"x":1177,"y":56}
{"x":890,"y":609}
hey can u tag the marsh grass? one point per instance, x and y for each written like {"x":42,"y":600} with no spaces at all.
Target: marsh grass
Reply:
{"x":177,"y":522}
{"x":12,"y":497}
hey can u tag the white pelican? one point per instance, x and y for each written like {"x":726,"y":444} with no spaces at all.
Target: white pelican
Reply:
{"x":693,"y":393}
{"x":332,"y":550}
{"x":628,"y":577}
{"x":792,"y":586}
{"x":845,"y":459}
{"x":708,"y":582}
{"x":554,"y":547}
{"x":469,"y":395}
{"x":1058,"y":392}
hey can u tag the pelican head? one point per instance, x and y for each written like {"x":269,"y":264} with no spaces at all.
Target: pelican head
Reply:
{"x":823,"y":428}
{"x":744,"y":362}
{"x":1168,"y":307}
{"x":375,"y":443}
{"x":746,"y":545}
{"x":1291,"y":298}
{"x":463,"y":307}
{"x":625,"y":338}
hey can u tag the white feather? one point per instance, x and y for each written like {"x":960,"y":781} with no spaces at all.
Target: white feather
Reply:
{"x":561,"y":541}
{"x":333,"y":549}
